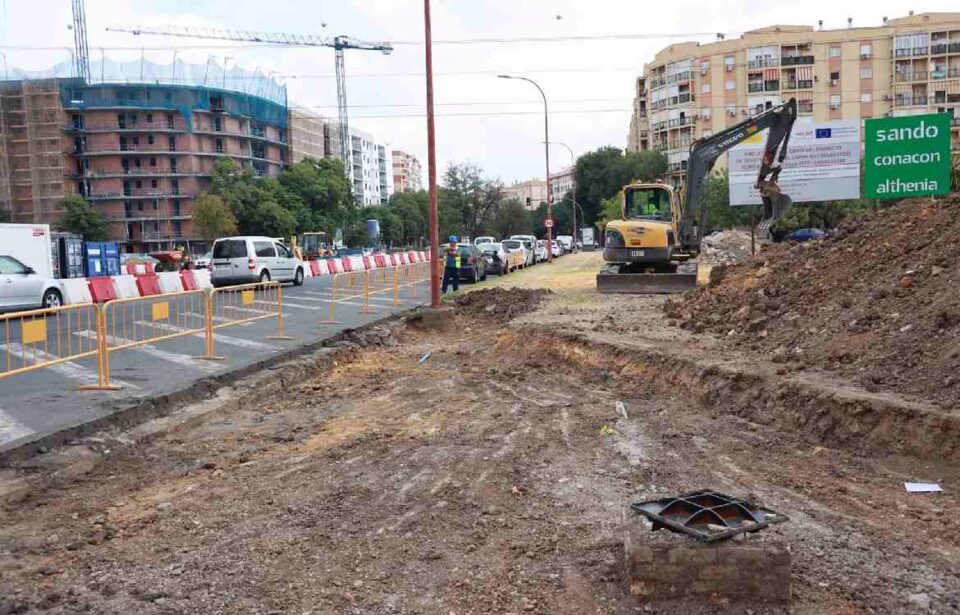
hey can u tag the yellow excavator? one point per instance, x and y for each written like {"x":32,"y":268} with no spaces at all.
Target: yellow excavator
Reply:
{"x":660,"y":229}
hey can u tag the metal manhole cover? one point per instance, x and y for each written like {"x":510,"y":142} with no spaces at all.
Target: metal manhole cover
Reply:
{"x":707,"y":515}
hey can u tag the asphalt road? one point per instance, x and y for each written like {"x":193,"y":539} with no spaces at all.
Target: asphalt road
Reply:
{"x":48,"y":400}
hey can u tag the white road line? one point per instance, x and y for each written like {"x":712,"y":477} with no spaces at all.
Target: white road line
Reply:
{"x":218,"y":319}
{"x":11,"y":428}
{"x":173,"y":357}
{"x":67,"y":369}
{"x":219,"y":337}
{"x":384,"y":298}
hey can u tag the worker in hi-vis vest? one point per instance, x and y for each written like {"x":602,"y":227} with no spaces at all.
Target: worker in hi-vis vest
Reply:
{"x":451,"y":265}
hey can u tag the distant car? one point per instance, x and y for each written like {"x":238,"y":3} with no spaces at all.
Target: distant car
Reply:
{"x":497,"y":258}
{"x":245,"y":260}
{"x":203,"y":262}
{"x":473,"y":267}
{"x":557,"y":249}
{"x":566,"y":241}
{"x":516,"y":246}
{"x":542,"y":250}
{"x":480,"y":240}
{"x":530,"y":243}
{"x":21,"y":288}
{"x":806,"y":234}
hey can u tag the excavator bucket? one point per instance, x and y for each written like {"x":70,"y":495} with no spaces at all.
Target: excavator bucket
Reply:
{"x":610,"y":280}
{"x":776,"y":205}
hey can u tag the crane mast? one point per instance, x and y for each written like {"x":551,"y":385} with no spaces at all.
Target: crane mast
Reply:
{"x":338,"y":44}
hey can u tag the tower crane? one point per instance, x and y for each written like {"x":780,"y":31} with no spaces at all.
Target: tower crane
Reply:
{"x":81,"y":53}
{"x":337,"y":43}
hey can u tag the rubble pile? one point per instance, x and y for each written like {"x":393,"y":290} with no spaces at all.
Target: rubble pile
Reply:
{"x":500,"y":304}
{"x":726,"y":247}
{"x":877,"y":301}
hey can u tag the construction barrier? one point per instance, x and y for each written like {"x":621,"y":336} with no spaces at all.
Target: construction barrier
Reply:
{"x":42,"y":338}
{"x":234,"y":305}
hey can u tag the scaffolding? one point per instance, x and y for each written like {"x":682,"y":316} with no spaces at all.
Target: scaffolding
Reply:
{"x":31,"y":151}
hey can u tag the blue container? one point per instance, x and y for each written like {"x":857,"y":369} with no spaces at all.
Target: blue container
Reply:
{"x":111,"y":258}
{"x":373,"y":231}
{"x":93,"y":259}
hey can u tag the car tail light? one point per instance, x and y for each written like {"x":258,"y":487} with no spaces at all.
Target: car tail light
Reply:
{"x":251,"y":264}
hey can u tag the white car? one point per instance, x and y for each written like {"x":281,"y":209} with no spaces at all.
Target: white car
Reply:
{"x":517,"y":245}
{"x":246,"y":260}
{"x":21,"y":288}
{"x":530,"y":243}
{"x":566,"y":241}
{"x":557,"y":249}
{"x":203,"y":262}
{"x":484,"y":239}
{"x":541,"y":250}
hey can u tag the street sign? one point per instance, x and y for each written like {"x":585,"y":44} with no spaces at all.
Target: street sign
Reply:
{"x":907,"y":156}
{"x":822,"y":163}
{"x":548,"y":223}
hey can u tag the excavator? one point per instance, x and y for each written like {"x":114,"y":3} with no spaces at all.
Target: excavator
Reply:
{"x":661,"y":228}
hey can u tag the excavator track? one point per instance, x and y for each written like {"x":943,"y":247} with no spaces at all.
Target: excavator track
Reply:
{"x":625,"y":280}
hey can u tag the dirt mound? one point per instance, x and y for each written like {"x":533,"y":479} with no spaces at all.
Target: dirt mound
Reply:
{"x":726,"y":247}
{"x":876,"y":301}
{"x":501,"y":304}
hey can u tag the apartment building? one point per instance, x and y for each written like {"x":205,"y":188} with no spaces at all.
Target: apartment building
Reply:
{"x":139,"y":152}
{"x":905,"y":66}
{"x":561,"y":183}
{"x":308,"y":135}
{"x":407,"y":173}
{"x":370,"y":169}
{"x":531,"y":193}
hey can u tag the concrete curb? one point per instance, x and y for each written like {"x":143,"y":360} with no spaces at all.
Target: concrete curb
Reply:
{"x":163,"y":404}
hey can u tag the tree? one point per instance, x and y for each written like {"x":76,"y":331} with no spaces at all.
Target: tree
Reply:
{"x":212,"y":218}
{"x":81,"y":218}
{"x":610,"y":209}
{"x":511,"y":218}
{"x":602,"y":173}
{"x":716,"y":199}
{"x":272,"y":220}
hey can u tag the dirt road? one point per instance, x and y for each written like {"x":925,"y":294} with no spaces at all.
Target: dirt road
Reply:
{"x":483,"y":469}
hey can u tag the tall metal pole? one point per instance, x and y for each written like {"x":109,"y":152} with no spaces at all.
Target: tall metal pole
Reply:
{"x":546,"y":151}
{"x":432,"y":165}
{"x":573,"y":188}
{"x":345,"y":141}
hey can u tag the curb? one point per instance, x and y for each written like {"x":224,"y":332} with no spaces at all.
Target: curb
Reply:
{"x":163,"y":404}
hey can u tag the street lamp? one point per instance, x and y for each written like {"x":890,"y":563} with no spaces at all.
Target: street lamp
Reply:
{"x":573,"y":167}
{"x":546,"y":151}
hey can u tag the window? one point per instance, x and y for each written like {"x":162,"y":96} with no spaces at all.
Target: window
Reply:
{"x":730,"y":85}
{"x":835,"y":102}
{"x":833,"y":52}
{"x":11,"y":266}
{"x":172,"y":141}
{"x":264,"y":249}
{"x":866,"y":51}
{"x":135,"y":140}
{"x":153,"y":183}
{"x":153,"y":162}
{"x":140,"y":206}
{"x":649,"y":204}
{"x":705,"y":113}
{"x":149,"y":118}
{"x":156,"y":204}
{"x":177,"y":228}
{"x":133,"y":118}
{"x":728,"y":64}
{"x":121,"y":120}
{"x":835,"y":78}
{"x":731,"y":110}
{"x":218,"y":124}
{"x":175,"y":186}
{"x":866,"y":97}
{"x":231,"y":248}
{"x":150,"y":139}
{"x":704,"y":67}
{"x":282,"y":251}
{"x":866,"y":73}
{"x":138,"y":184}
{"x":137,"y":162}
{"x":170,"y":121}
{"x":219,"y":146}
{"x":704,"y":88}
{"x":176,"y":207}
{"x":173,"y":165}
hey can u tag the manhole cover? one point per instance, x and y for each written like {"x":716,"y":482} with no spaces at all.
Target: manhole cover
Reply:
{"x":707,"y":515}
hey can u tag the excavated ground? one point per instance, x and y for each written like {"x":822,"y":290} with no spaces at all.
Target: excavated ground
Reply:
{"x":489,"y":478}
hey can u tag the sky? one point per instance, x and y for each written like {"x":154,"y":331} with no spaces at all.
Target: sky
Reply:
{"x":494,"y":123}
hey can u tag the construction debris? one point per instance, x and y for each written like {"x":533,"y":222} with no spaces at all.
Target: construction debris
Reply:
{"x":727,"y":247}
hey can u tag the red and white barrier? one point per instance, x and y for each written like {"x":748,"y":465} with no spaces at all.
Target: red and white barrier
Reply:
{"x":170,"y":282}
{"x":125,"y":286}
{"x":76,"y":290}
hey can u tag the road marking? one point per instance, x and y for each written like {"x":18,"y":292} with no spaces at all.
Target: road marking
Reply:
{"x":383,"y":297}
{"x":11,"y":428}
{"x":218,"y":319}
{"x":219,"y":337}
{"x":173,"y":357}
{"x":381,"y":302}
{"x":68,"y":369}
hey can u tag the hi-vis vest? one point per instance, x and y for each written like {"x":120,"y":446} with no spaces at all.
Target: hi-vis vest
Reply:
{"x":451,"y":258}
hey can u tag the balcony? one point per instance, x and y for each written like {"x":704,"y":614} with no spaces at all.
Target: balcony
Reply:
{"x":955,"y":122}
{"x":919,"y":75}
{"x":921,"y":51}
{"x":754,"y":87}
{"x":771,"y":86}
{"x":938,"y":49}
{"x":805,"y":106}
{"x":135,"y":194}
{"x":764,"y":63}
{"x":685,"y":98}
{"x":799,"y":85}
{"x":682,"y":76}
{"x":953,"y":47}
{"x":799,"y":60}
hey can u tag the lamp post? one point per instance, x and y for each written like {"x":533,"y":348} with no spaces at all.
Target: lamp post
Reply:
{"x":432,"y":165}
{"x":546,"y":151}
{"x":573,"y":167}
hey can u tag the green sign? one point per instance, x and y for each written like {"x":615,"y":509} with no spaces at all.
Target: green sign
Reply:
{"x":907,"y":156}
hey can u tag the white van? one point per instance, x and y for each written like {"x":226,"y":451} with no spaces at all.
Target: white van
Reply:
{"x":245,"y":260}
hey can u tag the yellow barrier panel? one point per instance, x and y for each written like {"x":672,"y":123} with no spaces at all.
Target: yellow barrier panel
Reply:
{"x":38,"y":339}
{"x":234,"y":305}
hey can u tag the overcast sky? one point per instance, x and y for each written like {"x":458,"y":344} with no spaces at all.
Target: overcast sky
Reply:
{"x":495,"y":123}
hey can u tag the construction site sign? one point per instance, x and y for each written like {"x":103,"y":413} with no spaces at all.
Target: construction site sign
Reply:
{"x":907,"y":156}
{"x":822,"y":164}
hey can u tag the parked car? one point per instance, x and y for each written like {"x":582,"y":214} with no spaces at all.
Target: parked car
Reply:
{"x":480,"y":240}
{"x":22,"y":288}
{"x":517,"y":251}
{"x":202,"y":262}
{"x":497,"y":258}
{"x":542,"y":250}
{"x":566,"y":241}
{"x":245,"y":260}
{"x":472,"y":264}
{"x":530,"y":243}
{"x":557,"y":249}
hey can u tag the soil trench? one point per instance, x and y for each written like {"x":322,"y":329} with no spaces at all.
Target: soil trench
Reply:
{"x":489,"y":477}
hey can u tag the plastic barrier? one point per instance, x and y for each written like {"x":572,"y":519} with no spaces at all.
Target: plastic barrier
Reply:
{"x":139,"y":268}
{"x":345,"y":263}
{"x":170,"y":282}
{"x":148,"y":285}
{"x":337,"y":266}
{"x":37,"y":339}
{"x":202,"y":276}
{"x":126,"y":286}
{"x":402,"y":258}
{"x":394,"y":261}
{"x":102,"y":289}
{"x":188,"y":280}
{"x":76,"y":291}
{"x":356,"y":263}
{"x":307,"y":269}
{"x":315,"y":269}
{"x":380,"y":260}
{"x":366,"y":262}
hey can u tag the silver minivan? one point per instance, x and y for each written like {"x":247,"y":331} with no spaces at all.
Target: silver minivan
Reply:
{"x":244,"y":260}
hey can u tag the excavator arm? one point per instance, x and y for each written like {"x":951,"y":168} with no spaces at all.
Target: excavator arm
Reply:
{"x":704,"y":154}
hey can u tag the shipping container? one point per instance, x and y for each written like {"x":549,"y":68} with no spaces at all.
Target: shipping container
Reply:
{"x":30,"y":244}
{"x":93,"y":259}
{"x":111,"y":258}
{"x":68,"y":251}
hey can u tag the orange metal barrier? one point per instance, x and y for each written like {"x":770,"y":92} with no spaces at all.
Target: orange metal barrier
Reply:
{"x":42,"y":338}
{"x":234,"y":305}
{"x":347,"y":286}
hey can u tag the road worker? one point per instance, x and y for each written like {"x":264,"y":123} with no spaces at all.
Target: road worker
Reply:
{"x":451,"y":265}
